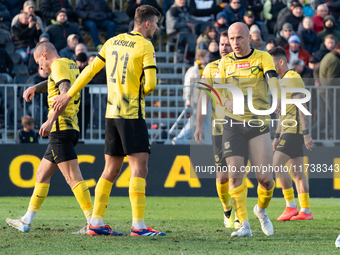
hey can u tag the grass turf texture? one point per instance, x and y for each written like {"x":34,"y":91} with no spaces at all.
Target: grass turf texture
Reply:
{"x":193,"y":225}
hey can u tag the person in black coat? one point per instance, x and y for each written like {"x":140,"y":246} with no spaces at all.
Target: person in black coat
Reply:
{"x":27,"y":134}
{"x":305,"y":72}
{"x":61,"y":30}
{"x":327,"y":46}
{"x":234,"y":11}
{"x":14,"y":6}
{"x":96,"y":14}
{"x":50,"y":8}
{"x":6,"y":64}
{"x":308,"y":36}
{"x":5,"y":17}
{"x":294,"y":17}
{"x":255,"y":6}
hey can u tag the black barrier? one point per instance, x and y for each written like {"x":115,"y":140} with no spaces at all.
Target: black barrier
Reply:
{"x":171,"y":172}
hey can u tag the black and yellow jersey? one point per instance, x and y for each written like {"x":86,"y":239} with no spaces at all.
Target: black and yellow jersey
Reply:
{"x":63,"y":69}
{"x":217,"y":111}
{"x":126,"y":56}
{"x":256,"y":71}
{"x":291,"y":79}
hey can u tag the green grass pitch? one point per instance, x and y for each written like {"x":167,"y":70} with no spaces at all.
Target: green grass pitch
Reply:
{"x":193,"y":225}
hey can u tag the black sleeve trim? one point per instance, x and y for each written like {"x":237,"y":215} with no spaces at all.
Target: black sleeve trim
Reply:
{"x":270,"y":74}
{"x":57,"y":84}
{"x":149,"y":67}
{"x":101,"y":58}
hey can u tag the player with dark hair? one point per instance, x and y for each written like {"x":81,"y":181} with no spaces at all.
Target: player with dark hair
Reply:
{"x":131,"y":74}
{"x":247,"y":68}
{"x":288,"y":143}
{"x":62,"y":129}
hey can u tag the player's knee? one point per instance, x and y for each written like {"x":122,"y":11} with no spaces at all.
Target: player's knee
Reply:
{"x":222,"y":180}
{"x":266,"y":182}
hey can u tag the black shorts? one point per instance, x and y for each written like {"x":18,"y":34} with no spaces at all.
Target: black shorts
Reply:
{"x":235,"y":138}
{"x":217,"y":149}
{"x":126,"y":136}
{"x":61,"y":146}
{"x":291,"y":144}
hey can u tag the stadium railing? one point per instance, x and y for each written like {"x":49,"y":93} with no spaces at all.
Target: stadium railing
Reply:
{"x":164,"y":111}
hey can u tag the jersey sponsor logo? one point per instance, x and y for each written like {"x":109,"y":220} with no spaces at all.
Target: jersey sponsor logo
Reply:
{"x":242,"y":65}
{"x":154,"y":57}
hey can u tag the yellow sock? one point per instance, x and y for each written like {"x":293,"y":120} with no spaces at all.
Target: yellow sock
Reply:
{"x":304,"y":200}
{"x":223,"y":193}
{"x":102,"y":196}
{"x":288,"y":194}
{"x":239,"y":200}
{"x":264,"y":196}
{"x":39,"y":194}
{"x":83,"y":196}
{"x":137,"y":198}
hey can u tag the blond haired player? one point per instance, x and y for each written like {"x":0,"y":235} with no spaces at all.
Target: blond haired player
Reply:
{"x":131,"y":74}
{"x":63,"y":131}
{"x":288,"y":143}
{"x":247,"y":68}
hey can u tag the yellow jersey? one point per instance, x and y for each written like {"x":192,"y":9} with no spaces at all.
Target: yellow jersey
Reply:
{"x":291,"y":79}
{"x":217,"y":111}
{"x":63,"y":69}
{"x":248,"y":72}
{"x":126,"y":56}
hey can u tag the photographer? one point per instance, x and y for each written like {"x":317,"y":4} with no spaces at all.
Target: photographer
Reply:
{"x":29,"y":8}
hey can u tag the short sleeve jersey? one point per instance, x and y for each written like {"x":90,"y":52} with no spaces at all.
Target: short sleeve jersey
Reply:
{"x":63,"y":69}
{"x":217,"y":110}
{"x":126,"y":56}
{"x":247,"y":72}
{"x":291,"y":79}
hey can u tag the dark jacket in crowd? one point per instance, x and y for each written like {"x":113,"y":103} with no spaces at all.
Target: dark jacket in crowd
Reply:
{"x":4,"y":13}
{"x":32,"y":65}
{"x":66,"y":53}
{"x":321,"y":52}
{"x":132,"y":6}
{"x":5,"y":61}
{"x":256,"y":6}
{"x":195,"y":10}
{"x":290,"y":18}
{"x":27,"y":137}
{"x":24,"y":36}
{"x":177,"y":19}
{"x":59,"y":33}
{"x":14,"y":6}
{"x":96,"y":10}
{"x":309,"y":39}
{"x":234,"y":15}
{"x":307,"y":73}
{"x":327,"y":31}
{"x":283,"y":12}
{"x":49,"y":9}
{"x":281,"y":40}
{"x":330,"y":69}
{"x":333,"y":6}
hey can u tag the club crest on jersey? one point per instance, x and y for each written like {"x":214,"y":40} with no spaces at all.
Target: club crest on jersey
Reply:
{"x":226,"y":145}
{"x":242,"y":65}
{"x":217,"y":158}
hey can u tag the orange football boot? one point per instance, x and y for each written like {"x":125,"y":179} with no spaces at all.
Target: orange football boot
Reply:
{"x":288,"y":213}
{"x":303,"y":216}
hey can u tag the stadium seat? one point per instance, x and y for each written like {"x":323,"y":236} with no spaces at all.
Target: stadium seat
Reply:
{"x":122,"y":21}
{"x":16,"y":58}
{"x":189,"y":53}
{"x":19,"y":69}
{"x":183,"y":39}
{"x":9,"y":47}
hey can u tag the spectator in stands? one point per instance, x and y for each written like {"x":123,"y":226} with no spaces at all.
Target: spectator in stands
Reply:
{"x":29,"y":8}
{"x":96,"y":14}
{"x":234,"y":11}
{"x":285,"y":11}
{"x":61,"y":30}
{"x":13,"y":6}
{"x":308,"y":36}
{"x":322,"y":12}
{"x":213,"y":50}
{"x":329,"y":28}
{"x":204,"y":10}
{"x":68,"y":51}
{"x":256,"y":38}
{"x":329,"y":74}
{"x":294,"y":17}
{"x":50,"y":8}
{"x":298,"y":66}
{"x":132,"y":5}
{"x":166,"y":4}
{"x":5,"y":17}
{"x":270,"y":44}
{"x":221,"y":22}
{"x":285,"y":34}
{"x":271,"y":9}
{"x":25,"y":33}
{"x":190,"y":94}
{"x":209,"y":34}
{"x":313,"y":63}
{"x":178,"y":20}
{"x":255,"y":6}
{"x":325,"y":47}
{"x":294,"y":50}
{"x":80,"y":48}
{"x":249,"y":18}
{"x":6,"y":64}
{"x":306,"y":8}
{"x":32,"y":65}
{"x":333,"y":6}
{"x":27,"y":134}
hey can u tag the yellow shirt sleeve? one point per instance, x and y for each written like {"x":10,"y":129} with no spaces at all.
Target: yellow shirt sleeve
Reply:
{"x":220,"y":78}
{"x":86,"y":75}
{"x":268,"y":65}
{"x":60,"y":72}
{"x":149,"y":67}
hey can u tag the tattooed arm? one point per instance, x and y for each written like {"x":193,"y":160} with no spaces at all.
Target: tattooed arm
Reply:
{"x":305,"y":120}
{"x":39,"y":88}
